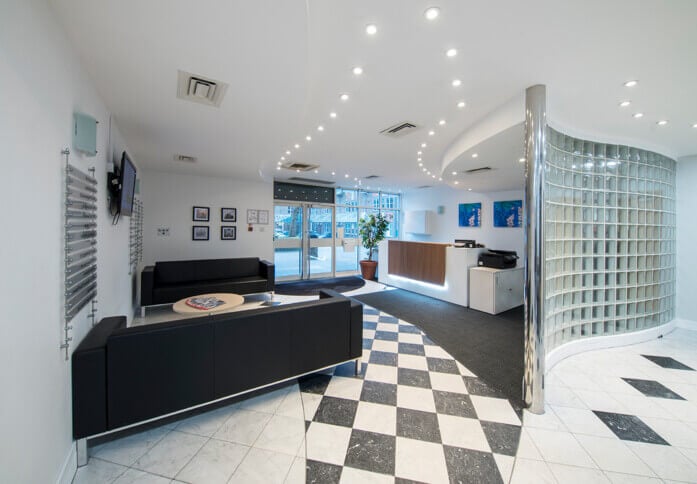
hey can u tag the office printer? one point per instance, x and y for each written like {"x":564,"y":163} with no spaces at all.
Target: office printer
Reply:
{"x":467,"y":243}
{"x":498,"y":259}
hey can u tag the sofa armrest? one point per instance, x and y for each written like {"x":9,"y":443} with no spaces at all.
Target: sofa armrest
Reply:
{"x":147,"y":284}
{"x":356,"y":336}
{"x":268,"y":271}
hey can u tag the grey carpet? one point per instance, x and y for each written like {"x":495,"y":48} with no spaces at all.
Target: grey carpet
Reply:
{"x":313,"y":286}
{"x":490,"y":346}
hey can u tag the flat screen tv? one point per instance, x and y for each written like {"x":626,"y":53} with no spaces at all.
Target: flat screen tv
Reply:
{"x":127,"y":182}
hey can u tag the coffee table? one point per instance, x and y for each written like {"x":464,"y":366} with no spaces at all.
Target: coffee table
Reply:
{"x":231,"y":301}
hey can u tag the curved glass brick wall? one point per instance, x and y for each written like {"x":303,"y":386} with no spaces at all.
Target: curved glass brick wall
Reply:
{"x":609,"y":239}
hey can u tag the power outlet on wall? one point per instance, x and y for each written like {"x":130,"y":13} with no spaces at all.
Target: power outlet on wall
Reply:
{"x":163,"y":231}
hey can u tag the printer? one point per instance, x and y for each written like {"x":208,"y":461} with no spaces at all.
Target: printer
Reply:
{"x":498,"y":259}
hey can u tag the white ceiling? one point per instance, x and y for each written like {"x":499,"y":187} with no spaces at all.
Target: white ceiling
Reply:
{"x":287,"y":61}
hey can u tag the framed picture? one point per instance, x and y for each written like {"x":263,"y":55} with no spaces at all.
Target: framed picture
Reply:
{"x":252,"y":216}
{"x":199,"y":232}
{"x":228,"y":215}
{"x":228,"y":232}
{"x":469,"y":214}
{"x":201,"y":214}
{"x":263,"y":216}
{"x":508,"y":213}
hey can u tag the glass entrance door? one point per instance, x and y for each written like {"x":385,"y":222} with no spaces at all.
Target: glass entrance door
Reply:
{"x":288,"y":241}
{"x":320,"y":241}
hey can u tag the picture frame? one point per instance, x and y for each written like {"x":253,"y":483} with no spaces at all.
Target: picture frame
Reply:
{"x":263,"y":217}
{"x":201,"y":214}
{"x":228,"y":232}
{"x":469,"y":214}
{"x":508,"y":213}
{"x":200,"y":232}
{"x":252,"y":216}
{"x":228,"y":215}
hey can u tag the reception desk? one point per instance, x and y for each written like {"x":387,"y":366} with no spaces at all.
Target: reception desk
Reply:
{"x":436,"y":270}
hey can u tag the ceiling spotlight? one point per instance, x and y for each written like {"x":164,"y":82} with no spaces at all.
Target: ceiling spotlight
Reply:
{"x":308,"y":138}
{"x":441,"y":122}
{"x":451,"y":52}
{"x":419,"y":153}
{"x":283,"y":158}
{"x":461,"y":104}
{"x":357,"y":71}
{"x":433,"y":176}
{"x":320,"y":128}
{"x":440,"y":179}
{"x":316,"y":171}
{"x":355,"y":179}
{"x":296,"y":146}
{"x":469,"y":189}
{"x":278,"y":167}
{"x":631,"y":83}
{"x":428,"y":172}
{"x":423,"y":145}
{"x":624,"y":104}
{"x":475,"y":155}
{"x":418,"y":159}
{"x":421,"y":164}
{"x":333,"y":173}
{"x":662,"y":122}
{"x":344,"y":97}
{"x":371,"y":29}
{"x":287,"y":152}
{"x":694,"y":125}
{"x":638,"y":115}
{"x":279,"y":163}
{"x":456,"y":83}
{"x":297,"y":171}
{"x":332,"y":115}
{"x":454,"y":173}
{"x":432,"y":13}
{"x":431,"y":133}
{"x":457,"y":182}
{"x":423,"y":169}
{"x":521,"y":160}
{"x":346,"y":175}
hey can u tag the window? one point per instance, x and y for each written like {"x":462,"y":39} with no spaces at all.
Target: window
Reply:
{"x":353,"y":204}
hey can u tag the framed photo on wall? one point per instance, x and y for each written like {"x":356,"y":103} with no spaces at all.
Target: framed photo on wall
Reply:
{"x":263,"y":216}
{"x":201,"y":214}
{"x":252,"y":216}
{"x":228,"y":232}
{"x":200,"y":232}
{"x":228,"y":215}
{"x":469,"y":214}
{"x":508,"y":213}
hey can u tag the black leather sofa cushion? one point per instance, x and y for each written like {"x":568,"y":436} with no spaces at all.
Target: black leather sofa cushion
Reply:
{"x":174,"y":292}
{"x":205,"y":270}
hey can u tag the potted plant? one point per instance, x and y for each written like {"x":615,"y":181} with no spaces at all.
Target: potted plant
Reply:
{"x":372,"y":231}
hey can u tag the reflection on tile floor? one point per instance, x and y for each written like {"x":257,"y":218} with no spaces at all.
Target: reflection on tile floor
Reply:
{"x":621,"y":415}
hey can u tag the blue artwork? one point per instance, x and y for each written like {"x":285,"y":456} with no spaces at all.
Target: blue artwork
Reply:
{"x":470,"y":214}
{"x":508,"y":213}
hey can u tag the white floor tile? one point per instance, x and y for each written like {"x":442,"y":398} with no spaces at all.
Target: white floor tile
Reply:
{"x":262,"y":467}
{"x":311,"y":402}
{"x":495,"y":410}
{"x":666,"y":461}
{"x":563,"y":397}
{"x":389,"y":327}
{"x":342,"y":387}
{"x":577,"y":475}
{"x":98,"y":470}
{"x":327,"y":443}
{"x":266,"y":402}
{"x":547,"y":420}
{"x":205,"y":424}
{"x":375,"y":417}
{"x":415,"y":398}
{"x":674,"y":432}
{"x":381,"y":373}
{"x":292,"y":405}
{"x":436,"y":352}
{"x":414,"y":362}
{"x":420,"y":461}
{"x":690,"y":453}
{"x":527,"y":448}
{"x":642,"y":406}
{"x":526,"y":471}
{"x":447,"y":382}
{"x":619,"y":478}
{"x":560,"y":447}
{"x":282,"y":434}
{"x":134,"y":476}
{"x":602,"y":401}
{"x":462,"y":432}
{"x":505,"y":465}
{"x":350,"y":475}
{"x":386,"y":346}
{"x":410,"y":338}
{"x":296,"y":474}
{"x":127,"y":450}
{"x":464,"y":371}
{"x":613,"y":455}
{"x":682,"y":409}
{"x":214,"y":463}
{"x":243,"y":427}
{"x":171,"y":454}
{"x":582,"y":421}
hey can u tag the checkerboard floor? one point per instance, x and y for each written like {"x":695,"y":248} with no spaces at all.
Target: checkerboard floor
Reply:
{"x":414,"y":414}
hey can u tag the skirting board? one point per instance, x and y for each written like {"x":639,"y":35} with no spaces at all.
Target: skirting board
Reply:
{"x":69,"y":469}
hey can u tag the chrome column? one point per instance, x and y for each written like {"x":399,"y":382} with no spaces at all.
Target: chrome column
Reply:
{"x":535,"y":133}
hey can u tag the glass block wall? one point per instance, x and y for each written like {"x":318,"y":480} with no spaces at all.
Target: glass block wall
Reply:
{"x":609,"y":239}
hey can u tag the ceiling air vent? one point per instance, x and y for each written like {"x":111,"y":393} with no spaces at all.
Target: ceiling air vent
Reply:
{"x":423,"y":186}
{"x":310,"y":180}
{"x":371,"y":177}
{"x":185,"y":158}
{"x":297,"y":166}
{"x":474,"y":171}
{"x":200,"y":89}
{"x":399,"y":129}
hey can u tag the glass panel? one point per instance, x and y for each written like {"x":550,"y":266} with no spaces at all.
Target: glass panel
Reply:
{"x":369,"y":199}
{"x":288,"y":223}
{"x":321,"y":241}
{"x":347,"y":239}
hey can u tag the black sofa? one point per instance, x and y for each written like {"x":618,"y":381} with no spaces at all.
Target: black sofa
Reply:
{"x":168,"y":282}
{"x":121,"y":376}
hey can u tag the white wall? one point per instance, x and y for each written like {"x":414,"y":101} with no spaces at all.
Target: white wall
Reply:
{"x":168,"y":200}
{"x":686,"y":204}
{"x":42,"y":85}
{"x":444,"y":227}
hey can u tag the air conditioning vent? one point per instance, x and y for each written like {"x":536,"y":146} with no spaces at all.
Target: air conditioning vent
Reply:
{"x":296,"y":165}
{"x":371,"y":177}
{"x":478,"y":170}
{"x":200,"y":89}
{"x":400,"y":129}
{"x":311,"y":180}
{"x":423,"y":186}
{"x":185,"y":158}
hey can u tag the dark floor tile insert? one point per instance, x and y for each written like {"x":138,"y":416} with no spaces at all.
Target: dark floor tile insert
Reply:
{"x":413,"y":378}
{"x":316,"y":383}
{"x":407,"y":328}
{"x":322,"y":473}
{"x":411,"y":349}
{"x":386,"y":335}
{"x":428,"y":341}
{"x":307,"y":425}
{"x":668,"y":362}
{"x":388,"y":319}
{"x":457,"y":404}
{"x":475,"y":386}
{"x":370,"y":325}
{"x":652,"y":388}
{"x":336,"y":411}
{"x":383,"y":358}
{"x":367,"y":343}
{"x":378,"y":392}
{"x":630,"y":427}
{"x":415,"y":424}
{"x":442,"y":365}
{"x":503,"y":438}
{"x":399,"y":480}
{"x":371,"y":451}
{"x":348,"y":370}
{"x":467,"y":466}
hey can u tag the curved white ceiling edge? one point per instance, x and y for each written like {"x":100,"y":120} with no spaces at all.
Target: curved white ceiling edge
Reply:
{"x":500,"y":119}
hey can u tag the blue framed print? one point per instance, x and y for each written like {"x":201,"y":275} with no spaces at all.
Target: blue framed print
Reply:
{"x":469,"y":214}
{"x":508,"y":213}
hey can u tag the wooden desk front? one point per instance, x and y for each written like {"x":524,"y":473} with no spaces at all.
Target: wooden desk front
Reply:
{"x":421,"y":261}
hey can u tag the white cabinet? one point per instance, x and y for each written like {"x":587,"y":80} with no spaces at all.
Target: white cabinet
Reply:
{"x":496,"y":290}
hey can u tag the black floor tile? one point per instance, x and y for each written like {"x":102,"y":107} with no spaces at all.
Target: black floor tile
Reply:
{"x":378,"y":392}
{"x":415,"y":424}
{"x":652,"y":388}
{"x":336,"y":411}
{"x":442,"y":365}
{"x":503,"y":438}
{"x":400,"y":480}
{"x":367,"y":310}
{"x":321,"y":472}
{"x":407,"y":328}
{"x":386,"y":335}
{"x":411,"y":349}
{"x":457,"y":404}
{"x":388,"y":319}
{"x":370,"y":325}
{"x":414,"y":378}
{"x":367,"y":343}
{"x":668,"y":362}
{"x":476,"y":386}
{"x":348,"y":370}
{"x":467,"y":466}
{"x":371,"y":452}
{"x":383,"y":358}
{"x":316,"y":383}
{"x":630,"y":427}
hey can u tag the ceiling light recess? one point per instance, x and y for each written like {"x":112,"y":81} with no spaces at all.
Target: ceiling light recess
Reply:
{"x":432,"y":13}
{"x":371,"y":29}
{"x":344,"y":97}
{"x":631,"y":83}
{"x":662,"y":122}
{"x":461,"y":104}
{"x":451,"y":52}
{"x":456,"y":83}
{"x":624,"y":104}
{"x":638,"y":115}
{"x":357,"y":71}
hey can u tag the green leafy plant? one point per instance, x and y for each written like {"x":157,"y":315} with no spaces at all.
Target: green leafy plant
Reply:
{"x":372,"y":231}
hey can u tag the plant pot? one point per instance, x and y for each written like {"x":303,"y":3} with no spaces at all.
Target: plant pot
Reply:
{"x":368,"y":269}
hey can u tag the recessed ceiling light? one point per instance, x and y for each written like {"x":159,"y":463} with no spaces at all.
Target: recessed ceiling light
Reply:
{"x":357,"y":71}
{"x":355,"y":179}
{"x":297,"y":146}
{"x":440,"y":179}
{"x":662,"y":122}
{"x":431,"y":133}
{"x":419,"y":152}
{"x":457,"y":182}
{"x":297,"y":171}
{"x":624,"y":104}
{"x":279,"y":163}
{"x":469,"y":189}
{"x":433,"y":176}
{"x":454,"y":173}
{"x":333,"y":173}
{"x":521,"y":160}
{"x":332,"y":115}
{"x":638,"y":115}
{"x":461,"y":104}
{"x":441,"y":122}
{"x":631,"y":83}
{"x":428,"y":172}
{"x":432,"y":13}
{"x":423,"y":169}
{"x":316,"y":171}
{"x":451,"y":52}
{"x":308,"y":138}
{"x":421,"y":164}
{"x":344,"y":97}
{"x":278,"y":167}
{"x":320,"y":128}
{"x":456,"y":83}
{"x":371,"y":29}
{"x":475,"y":155}
{"x":694,"y":125}
{"x":283,"y":158}
{"x":287,"y":152}
{"x":346,"y":175}
{"x":418,"y":159}
{"x":423,"y":145}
